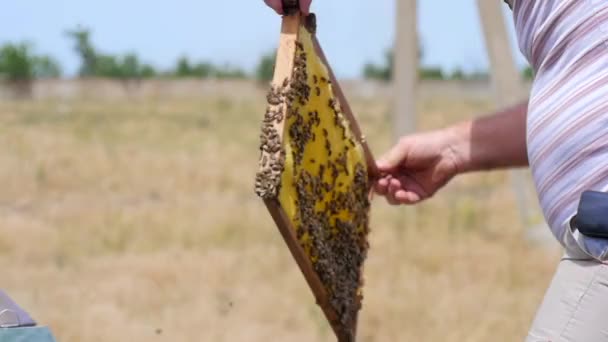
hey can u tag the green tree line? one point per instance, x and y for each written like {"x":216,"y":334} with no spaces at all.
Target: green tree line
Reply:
{"x":93,"y":63}
{"x":384,"y":72}
{"x":21,"y":62}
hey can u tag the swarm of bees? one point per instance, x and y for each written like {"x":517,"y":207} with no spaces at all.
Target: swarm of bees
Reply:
{"x":272,"y":159}
{"x":316,"y":170}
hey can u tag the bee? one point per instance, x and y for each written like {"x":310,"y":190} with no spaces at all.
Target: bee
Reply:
{"x":321,"y":171}
{"x":343,"y":131}
{"x":332,"y":103}
{"x":334,"y":172}
{"x":273,"y":99}
{"x":277,"y":167}
{"x":291,"y":96}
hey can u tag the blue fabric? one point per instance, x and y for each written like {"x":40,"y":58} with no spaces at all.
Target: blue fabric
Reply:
{"x":28,"y":334}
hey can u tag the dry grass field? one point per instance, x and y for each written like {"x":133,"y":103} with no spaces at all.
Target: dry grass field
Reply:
{"x":136,"y":221}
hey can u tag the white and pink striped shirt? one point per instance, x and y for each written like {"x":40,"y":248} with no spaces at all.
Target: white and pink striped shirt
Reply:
{"x":566,"y":43}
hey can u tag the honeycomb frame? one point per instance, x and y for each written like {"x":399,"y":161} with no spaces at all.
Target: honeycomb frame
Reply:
{"x":286,"y":88}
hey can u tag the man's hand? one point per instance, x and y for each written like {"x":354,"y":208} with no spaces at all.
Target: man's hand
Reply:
{"x":278,"y":6}
{"x":417,"y":167}
{"x":421,"y":164}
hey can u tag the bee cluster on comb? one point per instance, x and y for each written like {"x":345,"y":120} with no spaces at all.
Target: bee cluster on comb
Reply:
{"x":314,"y":168}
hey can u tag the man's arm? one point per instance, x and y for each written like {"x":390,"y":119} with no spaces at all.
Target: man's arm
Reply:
{"x":420,"y":164}
{"x":492,"y":142}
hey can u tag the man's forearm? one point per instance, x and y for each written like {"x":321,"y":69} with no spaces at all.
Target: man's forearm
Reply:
{"x":492,"y":142}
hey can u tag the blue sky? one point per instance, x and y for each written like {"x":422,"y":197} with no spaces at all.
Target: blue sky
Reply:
{"x":238,"y":32}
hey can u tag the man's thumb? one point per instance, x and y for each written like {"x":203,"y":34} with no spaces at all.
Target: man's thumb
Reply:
{"x":393,"y":158}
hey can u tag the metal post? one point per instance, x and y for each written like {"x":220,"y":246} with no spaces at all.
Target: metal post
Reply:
{"x":405,"y":80}
{"x":405,"y":76}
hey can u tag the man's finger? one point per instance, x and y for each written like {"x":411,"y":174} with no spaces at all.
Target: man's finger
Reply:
{"x":390,"y":198}
{"x":305,"y":6}
{"x":394,"y":185}
{"x":381,"y":186}
{"x":410,"y":184}
{"x":277,"y":5}
{"x":407,"y":197}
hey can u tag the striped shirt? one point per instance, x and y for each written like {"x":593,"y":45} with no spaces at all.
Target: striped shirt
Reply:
{"x":566,"y":43}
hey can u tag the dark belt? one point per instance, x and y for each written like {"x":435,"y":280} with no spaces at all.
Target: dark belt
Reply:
{"x":592,"y":215}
